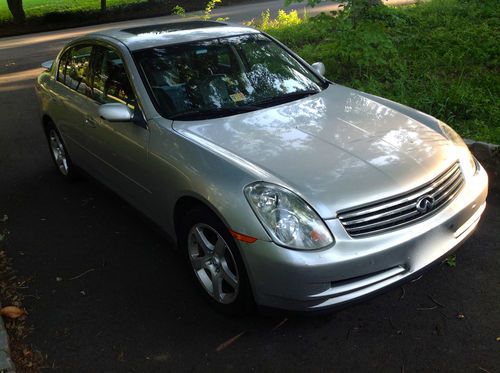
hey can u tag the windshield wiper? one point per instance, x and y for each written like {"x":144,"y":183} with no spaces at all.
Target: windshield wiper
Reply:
{"x":214,"y":112}
{"x":287,"y":97}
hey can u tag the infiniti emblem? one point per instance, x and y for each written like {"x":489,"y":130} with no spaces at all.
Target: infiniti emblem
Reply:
{"x":425,"y":204}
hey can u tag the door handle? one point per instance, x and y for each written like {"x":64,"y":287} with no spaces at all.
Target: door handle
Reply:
{"x":89,"y":122}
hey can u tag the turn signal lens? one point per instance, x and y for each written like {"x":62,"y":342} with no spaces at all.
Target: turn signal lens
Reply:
{"x":242,"y":237}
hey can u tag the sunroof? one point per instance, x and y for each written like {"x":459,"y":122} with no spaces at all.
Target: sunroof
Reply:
{"x":171,"y":27}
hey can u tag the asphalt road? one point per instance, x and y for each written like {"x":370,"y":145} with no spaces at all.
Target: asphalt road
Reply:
{"x":109,"y":295}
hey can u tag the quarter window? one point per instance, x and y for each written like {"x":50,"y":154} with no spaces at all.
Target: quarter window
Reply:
{"x":61,"y":72}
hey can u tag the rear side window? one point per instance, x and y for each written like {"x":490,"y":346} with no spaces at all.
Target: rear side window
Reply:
{"x":111,"y":83}
{"x":74,"y":69}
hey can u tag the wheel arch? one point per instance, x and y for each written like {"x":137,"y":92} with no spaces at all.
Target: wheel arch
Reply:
{"x":188,"y":202}
{"x":46,"y":122}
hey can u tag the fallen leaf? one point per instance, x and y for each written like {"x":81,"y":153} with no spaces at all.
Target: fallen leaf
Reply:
{"x":82,"y":274}
{"x":451,"y":261}
{"x":230,"y":341}
{"x":498,"y":339}
{"x":280,"y":324}
{"x":121,"y":356}
{"x":161,"y":357}
{"x":12,"y":312}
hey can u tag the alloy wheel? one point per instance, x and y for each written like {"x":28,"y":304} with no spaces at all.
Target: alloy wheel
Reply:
{"x":213,"y":263}
{"x":58,"y":152}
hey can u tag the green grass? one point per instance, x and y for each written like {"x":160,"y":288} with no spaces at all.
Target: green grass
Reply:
{"x":35,"y":8}
{"x":441,"y":57}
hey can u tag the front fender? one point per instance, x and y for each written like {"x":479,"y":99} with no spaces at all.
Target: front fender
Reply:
{"x":184,"y":167}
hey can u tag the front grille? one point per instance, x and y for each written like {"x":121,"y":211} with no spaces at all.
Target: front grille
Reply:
{"x":402,"y":210}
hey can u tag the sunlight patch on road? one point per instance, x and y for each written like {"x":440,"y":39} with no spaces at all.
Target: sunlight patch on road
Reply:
{"x":20,"y":76}
{"x":19,"y":79}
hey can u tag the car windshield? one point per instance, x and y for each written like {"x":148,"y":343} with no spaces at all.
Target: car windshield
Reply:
{"x":224,"y":76}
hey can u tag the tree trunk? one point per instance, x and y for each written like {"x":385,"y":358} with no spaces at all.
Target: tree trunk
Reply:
{"x":16,"y":8}
{"x":103,"y":6}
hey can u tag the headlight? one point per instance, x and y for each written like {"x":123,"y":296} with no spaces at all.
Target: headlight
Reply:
{"x":289,"y":220}
{"x":467,"y":161}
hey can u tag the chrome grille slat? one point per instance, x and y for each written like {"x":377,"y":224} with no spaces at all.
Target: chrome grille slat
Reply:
{"x":380,"y":215}
{"x":448,"y":182}
{"x":381,"y":207}
{"x":401,"y":210}
{"x":447,"y":174}
{"x":454,"y":194}
{"x":383,"y":222}
{"x":402,"y":199}
{"x":450,"y":191}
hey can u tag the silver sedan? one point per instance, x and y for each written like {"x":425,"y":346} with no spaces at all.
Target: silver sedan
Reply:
{"x":281,"y":188}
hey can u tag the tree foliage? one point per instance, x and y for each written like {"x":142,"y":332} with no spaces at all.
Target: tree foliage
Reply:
{"x":353,"y":9}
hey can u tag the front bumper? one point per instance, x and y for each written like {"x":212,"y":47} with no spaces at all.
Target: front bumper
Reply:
{"x":354,"y":268}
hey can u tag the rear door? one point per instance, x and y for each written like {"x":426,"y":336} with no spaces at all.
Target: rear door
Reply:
{"x":72,"y":96}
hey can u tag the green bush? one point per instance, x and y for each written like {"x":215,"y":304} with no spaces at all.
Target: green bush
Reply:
{"x":441,"y":57}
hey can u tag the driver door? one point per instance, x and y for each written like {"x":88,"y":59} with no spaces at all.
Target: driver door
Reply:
{"x":119,"y":147}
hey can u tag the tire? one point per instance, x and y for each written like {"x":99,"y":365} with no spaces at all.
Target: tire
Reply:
{"x":215,"y":262}
{"x":59,"y":153}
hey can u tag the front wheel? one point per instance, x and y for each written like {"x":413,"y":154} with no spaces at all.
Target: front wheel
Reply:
{"x":216,"y":262}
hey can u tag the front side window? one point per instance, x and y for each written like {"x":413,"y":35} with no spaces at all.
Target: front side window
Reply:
{"x":223,"y":76}
{"x":111,"y":83}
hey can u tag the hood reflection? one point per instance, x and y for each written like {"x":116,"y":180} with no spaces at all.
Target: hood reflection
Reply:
{"x":330,"y":142}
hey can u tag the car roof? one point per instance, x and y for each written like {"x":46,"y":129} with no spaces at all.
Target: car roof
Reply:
{"x":142,"y":37}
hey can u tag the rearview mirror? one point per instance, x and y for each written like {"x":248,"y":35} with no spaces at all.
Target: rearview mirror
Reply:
{"x":115,"y":112}
{"x":319,"y":67}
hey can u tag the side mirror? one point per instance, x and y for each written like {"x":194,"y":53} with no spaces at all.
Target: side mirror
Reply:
{"x":47,"y":65}
{"x":115,"y":112}
{"x":319,"y":67}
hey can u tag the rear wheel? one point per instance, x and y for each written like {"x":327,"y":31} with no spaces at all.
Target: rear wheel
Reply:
{"x":216,"y":263}
{"x":59,"y":152}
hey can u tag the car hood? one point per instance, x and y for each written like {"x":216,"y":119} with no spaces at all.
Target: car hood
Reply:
{"x":337,"y":149}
